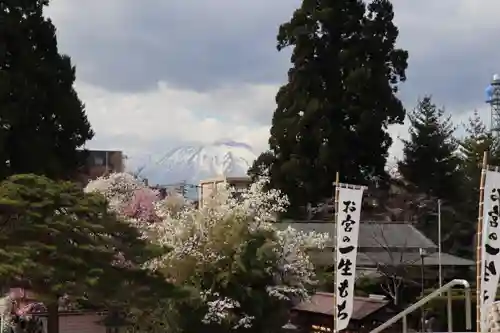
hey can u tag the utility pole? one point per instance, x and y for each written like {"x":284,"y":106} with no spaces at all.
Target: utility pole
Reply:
{"x":439,"y":245}
{"x":183,"y":189}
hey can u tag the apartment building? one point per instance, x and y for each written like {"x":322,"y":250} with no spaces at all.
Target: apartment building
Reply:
{"x":102,"y":162}
{"x":209,"y":187}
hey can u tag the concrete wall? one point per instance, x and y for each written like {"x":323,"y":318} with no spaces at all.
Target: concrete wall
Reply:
{"x":80,"y":323}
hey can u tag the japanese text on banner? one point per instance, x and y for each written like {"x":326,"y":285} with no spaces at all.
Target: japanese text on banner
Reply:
{"x":348,"y":214}
{"x":490,"y":248}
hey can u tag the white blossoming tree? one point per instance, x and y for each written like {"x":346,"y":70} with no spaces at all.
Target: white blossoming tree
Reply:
{"x":243,"y":272}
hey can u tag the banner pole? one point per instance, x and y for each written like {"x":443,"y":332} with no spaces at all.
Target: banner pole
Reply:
{"x":479,"y":242}
{"x":335,"y":259}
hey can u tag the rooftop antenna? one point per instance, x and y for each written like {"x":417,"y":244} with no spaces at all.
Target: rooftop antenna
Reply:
{"x":493,"y":99}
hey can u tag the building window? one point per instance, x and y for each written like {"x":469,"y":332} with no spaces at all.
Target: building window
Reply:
{"x":98,"y":161}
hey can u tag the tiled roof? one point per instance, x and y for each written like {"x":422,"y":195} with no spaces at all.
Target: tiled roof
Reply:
{"x":381,"y":243}
{"x":374,"y":235}
{"x":323,"y":303}
{"x":392,"y":258}
{"x":411,"y":258}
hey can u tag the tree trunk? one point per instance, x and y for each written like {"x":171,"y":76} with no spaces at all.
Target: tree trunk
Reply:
{"x":396,"y":296}
{"x":53,"y":317}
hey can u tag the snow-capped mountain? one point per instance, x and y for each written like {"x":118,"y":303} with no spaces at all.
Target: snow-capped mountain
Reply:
{"x":194,"y":163}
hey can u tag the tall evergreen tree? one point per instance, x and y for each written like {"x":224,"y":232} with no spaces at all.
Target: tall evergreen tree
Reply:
{"x":431,"y":164}
{"x":472,"y":147}
{"x":478,"y":140}
{"x":42,"y":120}
{"x":333,"y":113}
{"x":430,"y":159}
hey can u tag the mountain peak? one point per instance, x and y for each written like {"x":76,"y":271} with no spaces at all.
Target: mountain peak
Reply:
{"x":232,"y":143}
{"x":198,"y":162}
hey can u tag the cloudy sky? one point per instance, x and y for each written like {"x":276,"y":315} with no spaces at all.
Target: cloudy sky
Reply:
{"x":155,"y":74}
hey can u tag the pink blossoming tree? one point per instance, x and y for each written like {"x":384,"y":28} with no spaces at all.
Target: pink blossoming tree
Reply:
{"x":243,"y":272}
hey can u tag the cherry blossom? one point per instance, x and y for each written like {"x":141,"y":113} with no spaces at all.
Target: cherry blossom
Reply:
{"x":141,"y":206}
{"x":127,"y":196}
{"x":204,"y":239}
{"x":118,"y":188}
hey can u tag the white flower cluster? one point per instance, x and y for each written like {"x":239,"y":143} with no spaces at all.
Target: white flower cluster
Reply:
{"x":296,"y":272}
{"x":262,"y":205}
{"x":6,"y":314}
{"x":201,"y":238}
{"x":219,"y":310}
{"x":118,"y":188}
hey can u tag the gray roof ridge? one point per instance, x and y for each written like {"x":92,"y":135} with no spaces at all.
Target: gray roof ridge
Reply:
{"x":362,"y":221}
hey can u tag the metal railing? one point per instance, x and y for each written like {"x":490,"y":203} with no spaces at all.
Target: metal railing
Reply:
{"x":438,"y":292}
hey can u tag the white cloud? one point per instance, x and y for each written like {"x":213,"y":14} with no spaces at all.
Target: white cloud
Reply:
{"x":151,"y":122}
{"x":166,"y":116}
{"x":143,"y":122}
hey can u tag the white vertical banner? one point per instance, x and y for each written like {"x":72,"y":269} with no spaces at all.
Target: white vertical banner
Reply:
{"x":348,"y":214}
{"x":490,"y":249}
